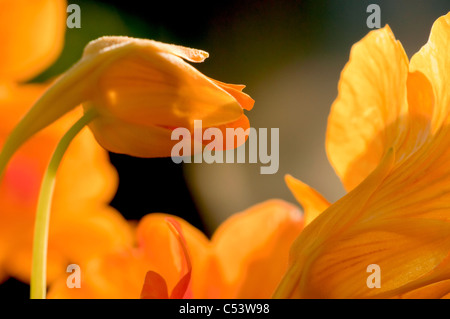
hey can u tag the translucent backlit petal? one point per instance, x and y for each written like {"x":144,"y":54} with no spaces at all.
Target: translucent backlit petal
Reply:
{"x":433,"y":60}
{"x":368,"y":115}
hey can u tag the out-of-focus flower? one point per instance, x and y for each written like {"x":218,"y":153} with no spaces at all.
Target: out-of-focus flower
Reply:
{"x":245,"y":258}
{"x":388,"y":140}
{"x":141,"y":90}
{"x":82,"y":224}
{"x":32,"y":35}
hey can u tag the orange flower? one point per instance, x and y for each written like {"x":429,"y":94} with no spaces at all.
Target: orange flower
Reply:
{"x":388,"y":140}
{"x":82,"y":225}
{"x":140,"y":90}
{"x":245,"y":258}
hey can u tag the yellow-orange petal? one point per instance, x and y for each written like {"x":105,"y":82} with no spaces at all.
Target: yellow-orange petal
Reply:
{"x":340,"y":271}
{"x":433,"y":60}
{"x":421,"y":104}
{"x":32,"y":35}
{"x":325,"y":229}
{"x":368,"y":115}
{"x":253,"y":246}
{"x":313,"y":202}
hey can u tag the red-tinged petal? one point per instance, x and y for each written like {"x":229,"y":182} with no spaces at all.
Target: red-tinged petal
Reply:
{"x":182,"y":288}
{"x":163,"y":249}
{"x":155,"y":287}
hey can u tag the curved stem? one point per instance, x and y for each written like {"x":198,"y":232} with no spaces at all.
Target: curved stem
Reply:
{"x":38,"y":284}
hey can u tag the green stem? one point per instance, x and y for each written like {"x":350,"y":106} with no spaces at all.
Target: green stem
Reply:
{"x":38,"y":284}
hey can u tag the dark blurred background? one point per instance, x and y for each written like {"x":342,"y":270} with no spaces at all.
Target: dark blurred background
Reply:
{"x":288,"y":53}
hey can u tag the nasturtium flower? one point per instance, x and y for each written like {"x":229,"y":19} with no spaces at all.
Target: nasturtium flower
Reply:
{"x":83,"y":225}
{"x":245,"y":258}
{"x":388,"y":140}
{"x":140,"y":90}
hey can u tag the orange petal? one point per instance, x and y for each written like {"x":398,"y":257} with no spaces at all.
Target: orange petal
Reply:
{"x":368,"y":115}
{"x":312,"y":202}
{"x":439,"y":290}
{"x":433,"y":60}
{"x":93,"y":231}
{"x":32,"y":33}
{"x":253,"y":246}
{"x":126,"y":138}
